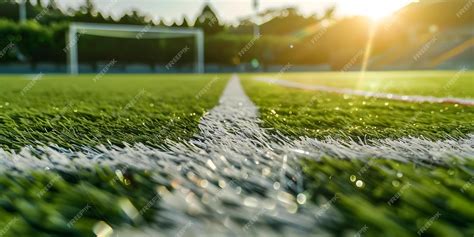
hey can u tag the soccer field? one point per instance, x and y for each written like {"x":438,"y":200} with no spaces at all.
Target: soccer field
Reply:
{"x":136,"y":155}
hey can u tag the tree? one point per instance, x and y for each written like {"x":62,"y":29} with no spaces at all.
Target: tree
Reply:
{"x":9,"y":9}
{"x":185,"y":22}
{"x":208,"y":21}
{"x":287,"y":21}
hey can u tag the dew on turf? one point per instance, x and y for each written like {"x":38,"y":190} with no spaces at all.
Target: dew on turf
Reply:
{"x":276,"y":185}
{"x":102,"y":229}
{"x":128,"y":208}
{"x":250,"y":202}
{"x":266,"y":171}
{"x":301,"y":198}
{"x":203,"y":183}
{"x":211,"y":164}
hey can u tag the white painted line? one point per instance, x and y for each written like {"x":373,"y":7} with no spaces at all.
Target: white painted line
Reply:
{"x":380,"y":95}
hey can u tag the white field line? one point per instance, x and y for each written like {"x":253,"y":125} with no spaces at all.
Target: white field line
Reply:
{"x":381,"y":95}
{"x":232,"y":171}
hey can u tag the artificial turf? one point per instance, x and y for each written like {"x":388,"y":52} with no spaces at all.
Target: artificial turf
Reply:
{"x":427,"y":83}
{"x":82,"y":111}
{"x":371,"y":198}
{"x":297,"y":112}
{"x":88,"y":110}
{"x":388,"y":198}
{"x":377,"y":197}
{"x":44,"y":203}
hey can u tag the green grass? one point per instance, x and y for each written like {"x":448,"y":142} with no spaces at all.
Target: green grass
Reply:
{"x":427,"y":83}
{"x":71,"y":204}
{"x":296,"y":112}
{"x":76,"y":111}
{"x":391,"y":198}
{"x":394,"y":198}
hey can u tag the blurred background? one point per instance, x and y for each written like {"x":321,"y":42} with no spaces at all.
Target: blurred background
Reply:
{"x":302,"y":36}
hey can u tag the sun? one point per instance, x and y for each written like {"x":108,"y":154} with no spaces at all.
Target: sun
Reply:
{"x":377,"y":10}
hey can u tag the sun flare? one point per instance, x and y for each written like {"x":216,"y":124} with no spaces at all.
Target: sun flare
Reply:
{"x":377,"y":10}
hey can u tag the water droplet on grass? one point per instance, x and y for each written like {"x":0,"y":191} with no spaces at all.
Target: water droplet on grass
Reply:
{"x":250,"y":202}
{"x":128,"y":208}
{"x":266,"y":171}
{"x":222,"y":183}
{"x":301,"y":198}
{"x":276,"y":185}
{"x":203,"y":183}
{"x":102,"y":229}
{"x":293,"y":208}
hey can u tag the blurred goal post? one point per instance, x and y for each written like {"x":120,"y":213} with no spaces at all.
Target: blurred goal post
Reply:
{"x":129,"y":31}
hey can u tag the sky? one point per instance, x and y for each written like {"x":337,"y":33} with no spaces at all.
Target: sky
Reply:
{"x":231,"y":10}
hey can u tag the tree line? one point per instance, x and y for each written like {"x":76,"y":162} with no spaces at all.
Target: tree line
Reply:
{"x":287,"y":37}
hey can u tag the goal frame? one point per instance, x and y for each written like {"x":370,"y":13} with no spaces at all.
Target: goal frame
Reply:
{"x":168,"y":32}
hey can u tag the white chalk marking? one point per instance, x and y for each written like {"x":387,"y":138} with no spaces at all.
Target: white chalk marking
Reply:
{"x":380,"y":95}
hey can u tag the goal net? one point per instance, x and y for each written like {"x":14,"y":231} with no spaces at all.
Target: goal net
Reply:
{"x":130,"y":31}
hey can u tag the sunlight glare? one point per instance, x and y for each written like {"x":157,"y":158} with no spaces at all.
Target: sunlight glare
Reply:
{"x":377,"y":9}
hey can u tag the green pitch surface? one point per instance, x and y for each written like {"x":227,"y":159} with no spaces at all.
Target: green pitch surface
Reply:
{"x":370,"y":198}
{"x":427,"y":83}
{"x":297,"y":112}
{"x":89,"y":110}
{"x":378,"y":197}
{"x":387,"y":198}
